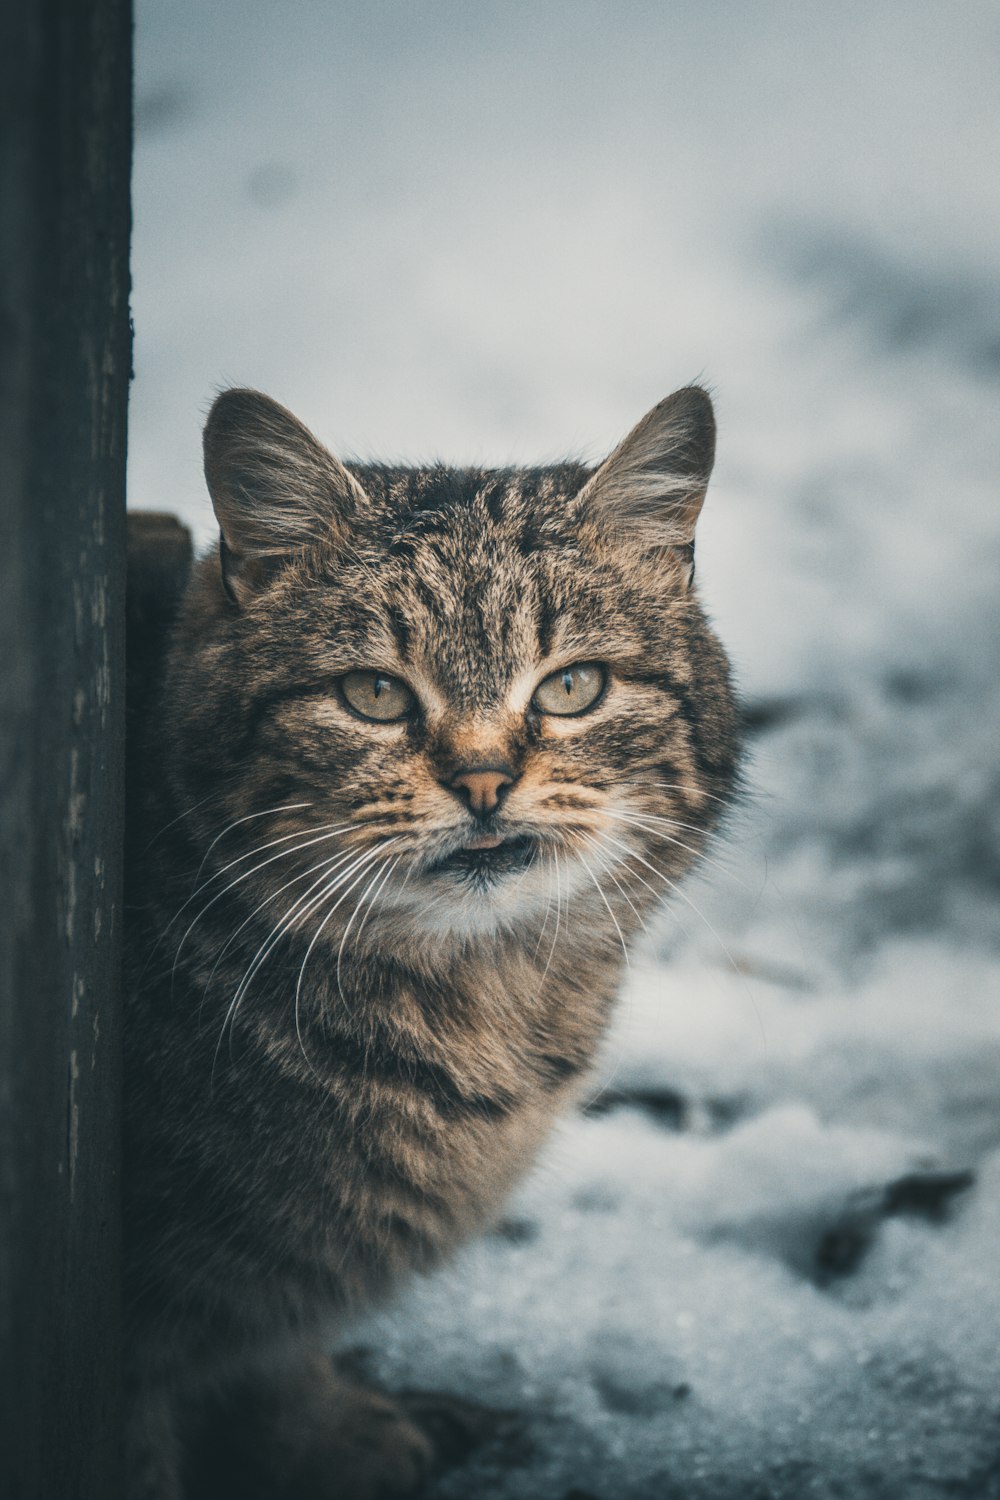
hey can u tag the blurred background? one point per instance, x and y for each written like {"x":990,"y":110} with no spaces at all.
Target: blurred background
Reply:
{"x":764,"y":1261}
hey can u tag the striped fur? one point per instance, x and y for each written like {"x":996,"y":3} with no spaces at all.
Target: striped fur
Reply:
{"x":332,"y":1084}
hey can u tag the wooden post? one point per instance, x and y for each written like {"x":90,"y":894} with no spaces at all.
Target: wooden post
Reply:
{"x":65,"y":157}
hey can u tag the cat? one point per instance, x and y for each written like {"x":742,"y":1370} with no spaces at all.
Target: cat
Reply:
{"x":429,"y":747}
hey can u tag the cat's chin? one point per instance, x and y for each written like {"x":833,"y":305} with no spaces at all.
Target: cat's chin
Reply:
{"x":481,"y":866}
{"x":478,"y":892}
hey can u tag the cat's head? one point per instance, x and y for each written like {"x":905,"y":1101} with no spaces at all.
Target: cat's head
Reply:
{"x":453,"y":701}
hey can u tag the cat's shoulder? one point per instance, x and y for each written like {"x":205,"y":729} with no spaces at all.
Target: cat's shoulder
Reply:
{"x":160,"y":556}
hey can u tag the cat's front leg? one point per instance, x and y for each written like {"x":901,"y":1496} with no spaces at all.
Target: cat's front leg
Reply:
{"x":153,"y":1463}
{"x":306,"y":1433}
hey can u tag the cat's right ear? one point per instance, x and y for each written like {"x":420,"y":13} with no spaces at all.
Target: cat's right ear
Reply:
{"x":651,"y":489}
{"x":275,"y":489}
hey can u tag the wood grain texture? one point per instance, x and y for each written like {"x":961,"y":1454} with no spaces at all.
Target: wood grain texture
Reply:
{"x":65,"y":156}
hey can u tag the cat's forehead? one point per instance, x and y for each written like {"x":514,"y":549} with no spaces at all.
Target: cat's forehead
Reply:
{"x":467,"y":561}
{"x":527,"y":508}
{"x":469,"y":598}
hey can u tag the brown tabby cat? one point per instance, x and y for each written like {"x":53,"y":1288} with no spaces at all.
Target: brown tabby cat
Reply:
{"x":429,"y":747}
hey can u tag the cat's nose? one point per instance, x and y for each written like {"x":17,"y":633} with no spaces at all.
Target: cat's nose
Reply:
{"x":481,"y":787}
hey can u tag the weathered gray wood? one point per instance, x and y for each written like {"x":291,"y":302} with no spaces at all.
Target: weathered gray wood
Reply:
{"x":65,"y":148}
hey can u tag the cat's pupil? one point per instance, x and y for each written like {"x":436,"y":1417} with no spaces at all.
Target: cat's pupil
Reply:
{"x":568,"y":682}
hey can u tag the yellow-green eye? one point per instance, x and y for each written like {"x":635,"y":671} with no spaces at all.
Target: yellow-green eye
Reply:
{"x":571,"y":690}
{"x":376,"y":695}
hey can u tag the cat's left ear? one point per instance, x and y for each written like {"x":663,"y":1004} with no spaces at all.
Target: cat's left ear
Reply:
{"x":650,"y":490}
{"x":275,"y":489}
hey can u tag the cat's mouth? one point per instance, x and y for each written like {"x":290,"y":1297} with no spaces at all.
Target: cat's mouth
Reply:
{"x":486,"y":857}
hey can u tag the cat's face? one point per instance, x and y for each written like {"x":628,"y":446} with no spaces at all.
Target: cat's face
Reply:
{"x":476,"y":697}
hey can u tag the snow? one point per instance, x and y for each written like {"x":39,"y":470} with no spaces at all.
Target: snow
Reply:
{"x":500,"y":233}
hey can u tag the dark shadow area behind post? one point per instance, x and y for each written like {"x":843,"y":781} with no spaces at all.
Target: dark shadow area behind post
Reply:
{"x":65,"y":151}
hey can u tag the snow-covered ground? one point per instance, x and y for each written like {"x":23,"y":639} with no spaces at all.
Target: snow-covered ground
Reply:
{"x":767,"y":1261}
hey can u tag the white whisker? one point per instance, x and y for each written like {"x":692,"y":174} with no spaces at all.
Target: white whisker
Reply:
{"x":372,"y":854}
{"x":331,"y":832}
{"x":267,"y":813}
{"x":240,"y":859}
{"x":608,"y":871}
{"x":357,"y":907}
{"x":607,"y":903}
{"x":676,"y":786}
{"x":325,"y":865}
{"x":555,"y":935}
{"x":699,"y":914}
{"x":548,"y":910}
{"x":212,"y":797}
{"x":640,"y":820}
{"x":301,"y":907}
{"x":655,"y":891}
{"x":374,"y":900}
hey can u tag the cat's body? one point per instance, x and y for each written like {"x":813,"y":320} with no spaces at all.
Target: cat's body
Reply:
{"x":408,"y":927}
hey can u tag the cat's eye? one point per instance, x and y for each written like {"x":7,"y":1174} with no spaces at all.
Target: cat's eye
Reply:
{"x":571,"y":690}
{"x":376,"y":695}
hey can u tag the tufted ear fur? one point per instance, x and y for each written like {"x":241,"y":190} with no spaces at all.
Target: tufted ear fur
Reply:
{"x":653,"y":485}
{"x":275,"y":488}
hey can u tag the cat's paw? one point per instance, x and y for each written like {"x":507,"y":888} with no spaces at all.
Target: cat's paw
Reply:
{"x":309,"y":1435}
{"x":367,"y":1449}
{"x":316,"y":1434}
{"x":381,"y":1446}
{"x":455,"y":1427}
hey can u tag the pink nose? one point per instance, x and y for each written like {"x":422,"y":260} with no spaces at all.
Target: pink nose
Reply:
{"x":481,"y":789}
